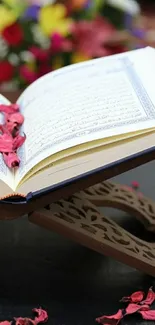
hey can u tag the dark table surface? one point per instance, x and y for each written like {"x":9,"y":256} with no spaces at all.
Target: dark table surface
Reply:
{"x":74,"y":284}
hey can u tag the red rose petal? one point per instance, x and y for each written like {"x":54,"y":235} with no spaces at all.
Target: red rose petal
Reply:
{"x":113,"y":319}
{"x":16,"y":118}
{"x":148,"y":314}
{"x":23,"y":321}
{"x":11,"y":159}
{"x":149,"y":298}
{"x":6,"y":143}
{"x":9,"y":109}
{"x":135,"y":185}
{"x":13,"y":122}
{"x":18,"y":141}
{"x":42,"y":315}
{"x":133,"y":308}
{"x":135,"y":297}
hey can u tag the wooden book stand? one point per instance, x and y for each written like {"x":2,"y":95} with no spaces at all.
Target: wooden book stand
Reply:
{"x":79,"y":219}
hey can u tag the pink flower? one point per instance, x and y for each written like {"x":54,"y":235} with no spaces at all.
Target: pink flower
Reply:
{"x":89,"y":37}
{"x":60,"y":44}
{"x":39,"y":54}
{"x":27,"y":74}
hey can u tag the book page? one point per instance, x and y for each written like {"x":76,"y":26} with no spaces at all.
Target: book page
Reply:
{"x":86,"y":102}
{"x":5,"y":173}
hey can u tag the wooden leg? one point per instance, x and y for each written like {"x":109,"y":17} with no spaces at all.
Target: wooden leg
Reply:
{"x":80,"y":220}
{"x":108,"y":194}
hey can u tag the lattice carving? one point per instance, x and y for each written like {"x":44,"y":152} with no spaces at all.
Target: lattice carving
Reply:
{"x":80,"y":220}
{"x":113,"y":195}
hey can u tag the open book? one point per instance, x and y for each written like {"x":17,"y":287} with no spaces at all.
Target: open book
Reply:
{"x":83,"y":117}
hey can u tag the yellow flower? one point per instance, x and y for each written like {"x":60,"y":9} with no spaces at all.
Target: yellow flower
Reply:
{"x":7,"y":17}
{"x":52,"y":19}
{"x":78,"y":57}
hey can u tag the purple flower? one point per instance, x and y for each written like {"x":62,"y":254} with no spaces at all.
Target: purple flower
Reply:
{"x":32,"y":12}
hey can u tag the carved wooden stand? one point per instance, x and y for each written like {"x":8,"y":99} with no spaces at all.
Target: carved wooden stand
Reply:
{"x":79,"y":219}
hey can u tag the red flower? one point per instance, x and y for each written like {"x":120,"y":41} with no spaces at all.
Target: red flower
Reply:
{"x":6,"y":71}
{"x":13,"y":34}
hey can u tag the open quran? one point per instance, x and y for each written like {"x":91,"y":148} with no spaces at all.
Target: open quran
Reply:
{"x":81,"y":118}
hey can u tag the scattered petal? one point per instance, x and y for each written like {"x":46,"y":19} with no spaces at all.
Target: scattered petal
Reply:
{"x":149,"y":298}
{"x":148,"y":314}
{"x":41,"y":317}
{"x":10,"y":139}
{"x":6,"y":143}
{"x":16,"y":118}
{"x":3,"y":129}
{"x":135,"y":185}
{"x":9,"y":109}
{"x":11,"y":159}
{"x":113,"y":319}
{"x":18,"y":141}
{"x":133,"y":308}
{"x":13,"y":122}
{"x":135,"y":297}
{"x":23,"y":321}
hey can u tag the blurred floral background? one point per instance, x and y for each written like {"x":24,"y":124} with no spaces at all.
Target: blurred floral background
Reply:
{"x":38,"y":36}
